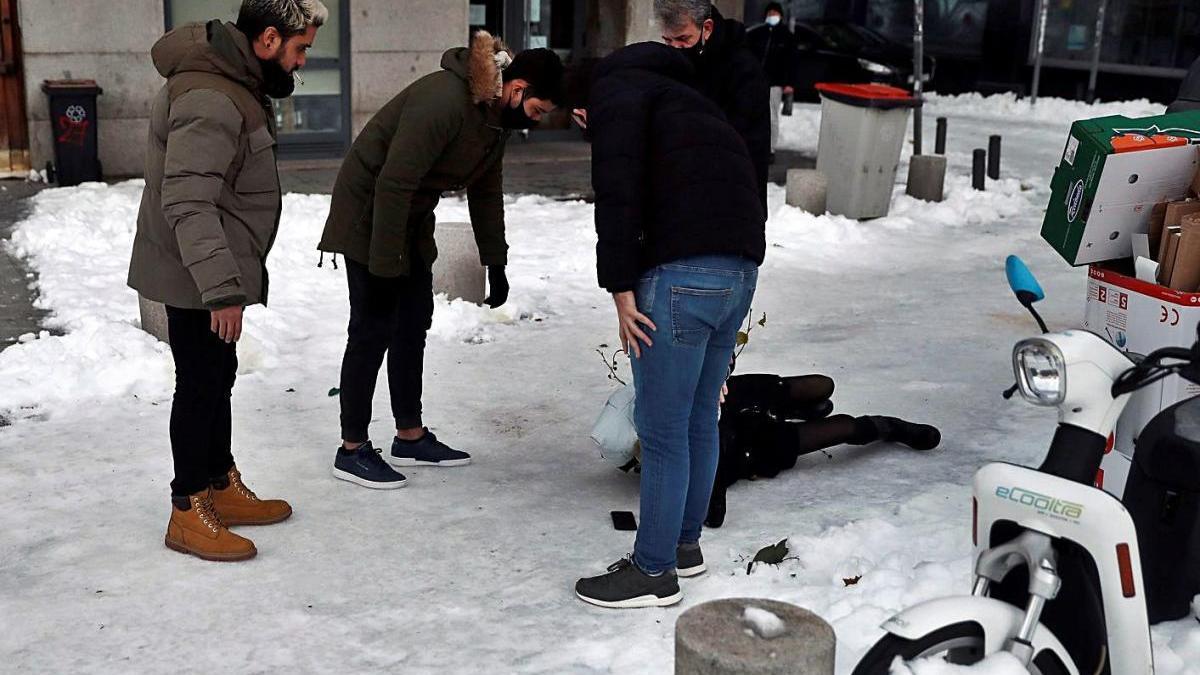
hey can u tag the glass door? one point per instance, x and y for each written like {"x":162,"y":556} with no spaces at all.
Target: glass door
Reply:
{"x":315,"y":121}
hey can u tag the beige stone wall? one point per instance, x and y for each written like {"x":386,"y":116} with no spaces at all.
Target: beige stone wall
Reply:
{"x":392,"y":44}
{"x":105,"y":40}
{"x":640,"y":24}
{"x":395,"y":43}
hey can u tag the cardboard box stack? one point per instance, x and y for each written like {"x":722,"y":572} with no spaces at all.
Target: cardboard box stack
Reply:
{"x":1126,"y":201}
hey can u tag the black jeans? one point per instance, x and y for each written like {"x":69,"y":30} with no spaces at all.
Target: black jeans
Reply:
{"x":392,"y":316}
{"x":205,"y":368}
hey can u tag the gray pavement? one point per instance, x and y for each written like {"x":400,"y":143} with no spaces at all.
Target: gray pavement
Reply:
{"x":17,"y":315}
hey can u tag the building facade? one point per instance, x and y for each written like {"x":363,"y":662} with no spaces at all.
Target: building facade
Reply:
{"x":369,"y":51}
{"x":1146,"y":46}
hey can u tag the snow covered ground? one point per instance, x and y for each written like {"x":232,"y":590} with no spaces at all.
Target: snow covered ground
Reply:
{"x":472,"y":569}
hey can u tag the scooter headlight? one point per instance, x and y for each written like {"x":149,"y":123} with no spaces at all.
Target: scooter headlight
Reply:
{"x":1041,"y":371}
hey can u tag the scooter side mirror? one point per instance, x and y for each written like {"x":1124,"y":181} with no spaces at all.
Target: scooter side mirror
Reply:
{"x":1022,"y":282}
{"x":1025,"y":286}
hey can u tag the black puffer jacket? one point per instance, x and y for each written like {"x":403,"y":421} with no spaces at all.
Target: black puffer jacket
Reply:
{"x":775,"y":49}
{"x":731,"y":75}
{"x":672,"y":178}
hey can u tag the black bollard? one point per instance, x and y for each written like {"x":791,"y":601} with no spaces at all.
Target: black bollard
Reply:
{"x":940,"y":143}
{"x":977,"y":174}
{"x":994,"y":157}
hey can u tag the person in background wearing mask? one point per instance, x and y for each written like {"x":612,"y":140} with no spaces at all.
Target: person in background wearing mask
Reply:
{"x":443,"y":133}
{"x":774,"y":46}
{"x":729,"y":74}
{"x":208,"y":216}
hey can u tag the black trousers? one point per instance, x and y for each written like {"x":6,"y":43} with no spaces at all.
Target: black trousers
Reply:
{"x":205,"y":369}
{"x":389,"y":316}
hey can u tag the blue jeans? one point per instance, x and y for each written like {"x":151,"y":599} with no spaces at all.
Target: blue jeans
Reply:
{"x":698,"y":305}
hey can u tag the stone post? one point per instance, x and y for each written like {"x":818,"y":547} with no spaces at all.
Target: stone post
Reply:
{"x":927,"y":177}
{"x":723,"y":638}
{"x":807,"y":189}
{"x":457,"y":271}
{"x":154,"y":318}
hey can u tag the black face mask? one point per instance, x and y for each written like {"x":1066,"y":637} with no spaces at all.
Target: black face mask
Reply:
{"x":696,"y":51}
{"x":277,"y":82}
{"x":515,"y":118}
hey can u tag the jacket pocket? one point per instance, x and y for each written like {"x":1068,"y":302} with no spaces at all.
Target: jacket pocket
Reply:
{"x":258,"y":172}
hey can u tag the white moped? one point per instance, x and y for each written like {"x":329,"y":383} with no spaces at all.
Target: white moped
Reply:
{"x":1058,"y":572}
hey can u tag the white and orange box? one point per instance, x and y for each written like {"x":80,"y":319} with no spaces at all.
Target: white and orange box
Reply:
{"x":1139,"y":317}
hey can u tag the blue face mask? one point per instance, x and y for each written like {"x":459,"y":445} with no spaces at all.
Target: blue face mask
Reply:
{"x":773,"y":20}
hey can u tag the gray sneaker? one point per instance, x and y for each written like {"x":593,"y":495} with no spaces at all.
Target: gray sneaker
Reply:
{"x":689,"y":560}
{"x":625,"y":586}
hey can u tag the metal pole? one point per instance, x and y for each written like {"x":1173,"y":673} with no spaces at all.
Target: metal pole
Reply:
{"x":939,"y":146}
{"x":979,"y":169}
{"x":1097,"y":43}
{"x":1043,"y":15}
{"x":993,"y":157}
{"x":918,"y":70}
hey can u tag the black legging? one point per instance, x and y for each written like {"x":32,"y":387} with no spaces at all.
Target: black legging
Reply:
{"x":387,"y":316}
{"x":768,"y":422}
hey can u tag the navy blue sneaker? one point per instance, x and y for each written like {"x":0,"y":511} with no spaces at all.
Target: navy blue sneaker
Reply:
{"x":366,"y":467}
{"x":426,"y":451}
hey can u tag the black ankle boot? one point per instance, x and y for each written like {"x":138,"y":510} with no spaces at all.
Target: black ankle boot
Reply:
{"x":895,"y":430}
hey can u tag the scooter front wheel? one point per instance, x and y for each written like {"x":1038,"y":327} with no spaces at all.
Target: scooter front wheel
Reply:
{"x":959,"y":643}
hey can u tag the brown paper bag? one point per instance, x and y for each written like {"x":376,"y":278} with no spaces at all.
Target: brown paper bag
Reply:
{"x":1185,"y":274}
{"x":1166,"y":263}
{"x":1177,"y":210}
{"x":1158,"y":217}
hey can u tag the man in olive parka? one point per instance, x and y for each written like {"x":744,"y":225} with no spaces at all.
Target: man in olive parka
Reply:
{"x":444,"y":133}
{"x":208,"y":217}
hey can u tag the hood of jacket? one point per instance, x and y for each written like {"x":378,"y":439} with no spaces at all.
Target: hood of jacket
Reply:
{"x":481,"y":66}
{"x":727,"y":36}
{"x":212,"y":47}
{"x":655,"y":57}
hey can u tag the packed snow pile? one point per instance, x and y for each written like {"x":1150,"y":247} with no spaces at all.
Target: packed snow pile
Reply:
{"x":763,"y":623}
{"x":801,"y":130}
{"x":910,"y":314}
{"x":1048,"y":110}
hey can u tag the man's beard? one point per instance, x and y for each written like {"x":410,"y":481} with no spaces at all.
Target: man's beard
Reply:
{"x":277,"y":82}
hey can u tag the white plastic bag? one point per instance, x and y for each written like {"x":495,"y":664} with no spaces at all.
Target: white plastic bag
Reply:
{"x":615,"y":431}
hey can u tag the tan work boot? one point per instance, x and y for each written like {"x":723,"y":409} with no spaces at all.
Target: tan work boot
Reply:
{"x":238,"y":505}
{"x":200,"y":532}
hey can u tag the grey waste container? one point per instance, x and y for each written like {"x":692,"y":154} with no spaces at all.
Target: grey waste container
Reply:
{"x":863,"y":127}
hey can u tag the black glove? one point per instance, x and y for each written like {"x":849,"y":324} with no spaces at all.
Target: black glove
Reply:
{"x":498,"y":285}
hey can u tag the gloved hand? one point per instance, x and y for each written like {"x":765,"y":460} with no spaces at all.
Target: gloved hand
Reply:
{"x":498,"y":287}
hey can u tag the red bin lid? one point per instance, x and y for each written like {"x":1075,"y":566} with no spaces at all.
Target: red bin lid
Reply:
{"x":868,"y":95}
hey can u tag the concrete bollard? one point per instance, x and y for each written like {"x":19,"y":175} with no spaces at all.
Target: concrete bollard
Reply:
{"x":457,"y":271}
{"x":807,"y":189}
{"x":927,"y":177}
{"x":154,"y":318}
{"x":714,"y":638}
